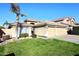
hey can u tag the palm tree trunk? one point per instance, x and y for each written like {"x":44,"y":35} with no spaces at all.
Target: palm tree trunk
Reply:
{"x":16,"y":31}
{"x":20,"y":31}
{"x":17,"y":21}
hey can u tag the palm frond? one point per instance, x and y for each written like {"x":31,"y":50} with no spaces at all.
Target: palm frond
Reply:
{"x":15,"y":8}
{"x":23,"y":15}
{"x":6,"y":23}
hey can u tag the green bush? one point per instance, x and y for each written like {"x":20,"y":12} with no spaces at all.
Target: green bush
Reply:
{"x":24,"y":35}
{"x":34,"y":35}
{"x":75,"y":31}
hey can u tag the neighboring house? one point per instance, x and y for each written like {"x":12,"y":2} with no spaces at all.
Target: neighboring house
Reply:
{"x":66,"y":20}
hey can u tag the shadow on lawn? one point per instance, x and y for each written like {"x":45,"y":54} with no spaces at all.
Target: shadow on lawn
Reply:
{"x":76,"y":55}
{"x":11,"y":54}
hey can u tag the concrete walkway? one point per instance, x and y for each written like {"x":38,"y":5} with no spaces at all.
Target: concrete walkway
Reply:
{"x":70,"y":38}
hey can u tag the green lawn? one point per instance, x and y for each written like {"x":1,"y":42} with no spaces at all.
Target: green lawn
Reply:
{"x":40,"y":47}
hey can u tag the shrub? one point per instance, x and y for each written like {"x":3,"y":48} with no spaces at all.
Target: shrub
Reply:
{"x":34,"y":35}
{"x":24,"y":35}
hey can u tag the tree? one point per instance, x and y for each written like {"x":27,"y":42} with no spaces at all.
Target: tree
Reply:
{"x":16,"y":9}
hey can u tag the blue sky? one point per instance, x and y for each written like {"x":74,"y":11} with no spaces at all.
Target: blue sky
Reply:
{"x":40,"y":11}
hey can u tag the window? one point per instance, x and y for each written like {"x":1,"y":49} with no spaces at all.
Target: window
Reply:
{"x":67,"y":20}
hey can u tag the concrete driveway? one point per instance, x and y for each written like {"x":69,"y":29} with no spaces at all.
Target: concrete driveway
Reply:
{"x":70,"y":38}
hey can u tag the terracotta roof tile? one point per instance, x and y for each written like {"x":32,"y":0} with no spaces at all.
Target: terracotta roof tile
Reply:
{"x":29,"y":20}
{"x":59,"y":19}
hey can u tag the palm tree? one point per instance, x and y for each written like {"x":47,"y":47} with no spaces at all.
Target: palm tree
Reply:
{"x":15,"y":9}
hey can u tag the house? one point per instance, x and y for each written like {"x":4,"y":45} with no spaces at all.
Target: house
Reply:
{"x":28,"y":24}
{"x":48,"y":29}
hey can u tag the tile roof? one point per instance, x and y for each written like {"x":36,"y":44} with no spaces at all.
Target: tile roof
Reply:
{"x":30,"y":20}
{"x":61,"y":19}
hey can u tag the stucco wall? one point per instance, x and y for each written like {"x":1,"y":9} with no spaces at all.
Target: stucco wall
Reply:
{"x":53,"y":32}
{"x":50,"y":32}
{"x":10,"y":32}
{"x":40,"y":31}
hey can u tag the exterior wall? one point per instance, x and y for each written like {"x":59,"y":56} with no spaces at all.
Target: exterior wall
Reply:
{"x":10,"y":32}
{"x":67,"y":21}
{"x":51,"y":32}
{"x":40,"y":31}
{"x":29,"y":29}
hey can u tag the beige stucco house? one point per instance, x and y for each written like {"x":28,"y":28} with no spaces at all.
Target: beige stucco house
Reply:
{"x":48,"y":29}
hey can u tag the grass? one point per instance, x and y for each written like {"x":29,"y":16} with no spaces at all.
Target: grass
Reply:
{"x":40,"y":47}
